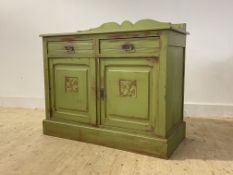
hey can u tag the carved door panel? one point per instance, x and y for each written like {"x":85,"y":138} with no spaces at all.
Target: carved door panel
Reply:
{"x":72,"y":86}
{"x":130,"y":90}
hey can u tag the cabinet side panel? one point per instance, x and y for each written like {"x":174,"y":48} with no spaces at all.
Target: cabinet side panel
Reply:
{"x":161,"y":120}
{"x":46,"y":80}
{"x":176,"y":39}
{"x":174,"y":88}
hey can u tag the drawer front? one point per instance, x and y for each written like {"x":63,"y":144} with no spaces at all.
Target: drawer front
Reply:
{"x":72,"y":48}
{"x":130,"y":46}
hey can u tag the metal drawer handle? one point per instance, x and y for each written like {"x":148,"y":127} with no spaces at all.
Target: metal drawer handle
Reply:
{"x":69,"y":49}
{"x":128,"y":47}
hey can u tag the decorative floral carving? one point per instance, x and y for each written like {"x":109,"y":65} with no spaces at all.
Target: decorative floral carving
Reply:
{"x":128,"y":88}
{"x":71,"y":84}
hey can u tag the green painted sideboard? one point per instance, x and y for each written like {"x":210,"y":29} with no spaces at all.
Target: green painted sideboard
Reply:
{"x":117,"y":85}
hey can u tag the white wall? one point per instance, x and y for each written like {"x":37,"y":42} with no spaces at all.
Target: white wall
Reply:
{"x":209,"y":65}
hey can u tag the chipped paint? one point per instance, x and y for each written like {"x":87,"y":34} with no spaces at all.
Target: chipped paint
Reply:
{"x":153,"y":60}
{"x":68,"y":39}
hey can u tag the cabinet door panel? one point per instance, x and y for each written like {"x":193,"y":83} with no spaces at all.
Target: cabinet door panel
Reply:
{"x":73,"y":91}
{"x":130,"y":87}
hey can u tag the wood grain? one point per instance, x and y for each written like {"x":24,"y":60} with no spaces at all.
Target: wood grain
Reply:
{"x":24,"y":150}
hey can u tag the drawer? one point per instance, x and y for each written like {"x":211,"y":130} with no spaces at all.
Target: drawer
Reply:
{"x":72,"y":48}
{"x":130,"y":46}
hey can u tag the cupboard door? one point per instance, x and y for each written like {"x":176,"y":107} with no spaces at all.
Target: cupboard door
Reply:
{"x":73,"y":93}
{"x":129,"y":93}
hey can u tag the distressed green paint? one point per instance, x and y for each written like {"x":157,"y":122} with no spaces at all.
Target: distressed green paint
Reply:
{"x":144,"y":24}
{"x":174,"y":90}
{"x":127,"y":26}
{"x":46,"y":81}
{"x":78,"y":105}
{"x":117,"y":85}
{"x":135,"y":111}
{"x":153,"y":146}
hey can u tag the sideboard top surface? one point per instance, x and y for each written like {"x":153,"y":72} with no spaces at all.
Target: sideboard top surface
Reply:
{"x":127,"y":26}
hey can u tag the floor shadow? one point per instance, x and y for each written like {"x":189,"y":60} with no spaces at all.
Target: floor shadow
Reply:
{"x":206,"y":139}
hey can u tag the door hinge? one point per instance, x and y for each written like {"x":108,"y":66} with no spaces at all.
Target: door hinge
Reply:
{"x":101,"y":92}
